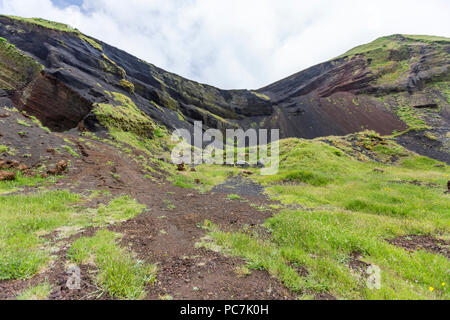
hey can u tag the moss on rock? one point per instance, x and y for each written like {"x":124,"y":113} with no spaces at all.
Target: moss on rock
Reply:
{"x":127,"y":85}
{"x":124,"y":115}
{"x":16,"y":68}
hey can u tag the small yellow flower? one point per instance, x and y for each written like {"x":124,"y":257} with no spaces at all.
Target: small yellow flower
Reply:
{"x":431,"y":289}
{"x":443,"y":284}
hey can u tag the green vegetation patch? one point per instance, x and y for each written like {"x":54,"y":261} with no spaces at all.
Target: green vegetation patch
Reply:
{"x":207,"y":176}
{"x":350,"y":208}
{"x":24,"y":181}
{"x":411,"y":117}
{"x":393,"y":42}
{"x":45,"y":23}
{"x":16,"y":68}
{"x":234,"y":197}
{"x":129,"y":86}
{"x":3,"y":149}
{"x":39,"y":124}
{"x":111,"y":66}
{"x":404,"y":49}
{"x":92,"y":42}
{"x":120,"y":274}
{"x":40,"y":292}
{"x":71,"y":151}
{"x":124,"y":116}
{"x":23,"y":217}
{"x":58,"y":27}
{"x":120,"y":209}
{"x":261,"y":96}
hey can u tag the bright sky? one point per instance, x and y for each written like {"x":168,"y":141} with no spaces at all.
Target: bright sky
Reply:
{"x":239,"y":43}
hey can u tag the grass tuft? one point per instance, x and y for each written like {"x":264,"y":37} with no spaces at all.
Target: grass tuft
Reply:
{"x":119,"y":273}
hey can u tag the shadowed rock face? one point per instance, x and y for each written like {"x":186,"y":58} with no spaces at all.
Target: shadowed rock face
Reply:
{"x":337,"y":97}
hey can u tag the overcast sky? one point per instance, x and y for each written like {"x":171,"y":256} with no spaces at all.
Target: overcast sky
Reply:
{"x":239,"y":43}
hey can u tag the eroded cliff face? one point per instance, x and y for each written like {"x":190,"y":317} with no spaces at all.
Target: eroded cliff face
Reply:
{"x":76,"y":71}
{"x":366,"y":88}
{"x":392,"y":84}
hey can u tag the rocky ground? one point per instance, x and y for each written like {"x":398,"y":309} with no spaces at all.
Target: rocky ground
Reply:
{"x":168,"y":232}
{"x":165,"y":234}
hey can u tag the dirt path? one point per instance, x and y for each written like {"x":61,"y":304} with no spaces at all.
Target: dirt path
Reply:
{"x":165,"y":234}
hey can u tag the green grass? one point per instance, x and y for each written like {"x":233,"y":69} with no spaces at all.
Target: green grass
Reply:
{"x":23,"y":123}
{"x":119,"y":273}
{"x":3,"y":149}
{"x":261,"y":96}
{"x":392,"y":42}
{"x":40,"y":292}
{"x":16,"y":68}
{"x":411,"y":117}
{"x":120,"y":209}
{"x":379,"y":55}
{"x":351,"y":208}
{"x":234,"y":197}
{"x":124,"y":116}
{"x":59,"y":27}
{"x":70,"y":151}
{"x":426,"y":38}
{"x":24,"y":181}
{"x":129,"y":86}
{"x":132,"y":131}
{"x":45,"y":23}
{"x":92,"y":42}
{"x":25,"y":218}
{"x":39,"y":124}
{"x":208,"y":175}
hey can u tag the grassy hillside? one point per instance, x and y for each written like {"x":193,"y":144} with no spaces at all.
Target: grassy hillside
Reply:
{"x":340,"y":213}
{"x":110,"y":202}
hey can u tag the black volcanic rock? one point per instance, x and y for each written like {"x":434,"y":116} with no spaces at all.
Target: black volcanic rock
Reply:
{"x":79,"y":69}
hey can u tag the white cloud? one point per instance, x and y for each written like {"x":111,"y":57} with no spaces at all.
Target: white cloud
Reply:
{"x":240,"y":43}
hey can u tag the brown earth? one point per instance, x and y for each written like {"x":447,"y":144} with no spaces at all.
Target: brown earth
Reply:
{"x":427,"y":243}
{"x":163,"y":234}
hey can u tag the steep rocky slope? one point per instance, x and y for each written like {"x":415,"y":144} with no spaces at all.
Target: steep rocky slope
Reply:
{"x":401,"y":75}
{"x":393,"y":84}
{"x":76,"y":71}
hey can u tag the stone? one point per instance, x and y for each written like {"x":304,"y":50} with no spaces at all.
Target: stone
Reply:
{"x":7,"y":176}
{"x":242,"y":164}
{"x":61,"y":166}
{"x":260,"y":164}
{"x":52,"y":172}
